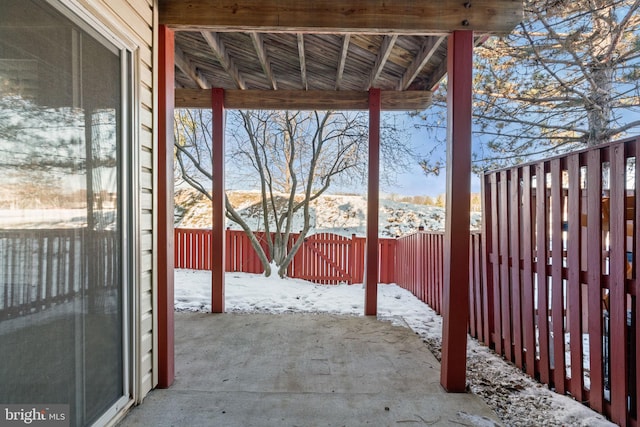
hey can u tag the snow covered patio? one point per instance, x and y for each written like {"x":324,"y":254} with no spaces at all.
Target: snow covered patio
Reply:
{"x":303,"y":369}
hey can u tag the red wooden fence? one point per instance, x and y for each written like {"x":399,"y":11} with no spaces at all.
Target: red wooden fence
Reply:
{"x":554,"y":282}
{"x":323,"y":258}
{"x":420,"y":268}
{"x":327,"y":258}
{"x":561,"y":239}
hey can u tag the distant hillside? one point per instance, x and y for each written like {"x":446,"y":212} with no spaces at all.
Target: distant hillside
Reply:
{"x":338,"y":214}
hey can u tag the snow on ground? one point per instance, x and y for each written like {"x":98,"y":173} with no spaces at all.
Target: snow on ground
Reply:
{"x":42,"y":218}
{"x":517,"y":399}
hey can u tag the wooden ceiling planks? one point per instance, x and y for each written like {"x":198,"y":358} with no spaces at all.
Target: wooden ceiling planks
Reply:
{"x":324,"y":45}
{"x":283,"y":49}
{"x":323,"y":56}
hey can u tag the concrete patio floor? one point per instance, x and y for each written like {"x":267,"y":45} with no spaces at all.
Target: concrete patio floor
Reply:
{"x":303,"y":370}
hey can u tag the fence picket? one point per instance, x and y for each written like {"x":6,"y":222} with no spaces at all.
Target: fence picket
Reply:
{"x":514,"y":255}
{"x":505,"y":278}
{"x":594,"y":279}
{"x":557,"y":282}
{"x":473,"y":291}
{"x":478,"y":278}
{"x":495,"y":261}
{"x":487,"y":253}
{"x":542,"y":232}
{"x":433,"y":287}
{"x":635,"y":317}
{"x":574,"y":297}
{"x":528,"y":310}
{"x":617,"y":286}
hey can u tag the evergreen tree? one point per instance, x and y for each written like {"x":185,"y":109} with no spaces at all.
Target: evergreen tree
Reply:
{"x":566,"y":78}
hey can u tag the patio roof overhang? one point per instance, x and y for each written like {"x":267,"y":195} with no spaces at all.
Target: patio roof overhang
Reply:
{"x":321,"y":54}
{"x":327,"y":54}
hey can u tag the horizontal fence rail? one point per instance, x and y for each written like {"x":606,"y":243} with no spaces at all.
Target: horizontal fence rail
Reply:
{"x":561,"y":242}
{"x":323,"y":258}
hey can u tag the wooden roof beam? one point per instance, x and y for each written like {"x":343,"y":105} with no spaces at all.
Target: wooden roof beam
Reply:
{"x":338,"y":16}
{"x":258,"y":44}
{"x":343,"y":60}
{"x":303,"y":62}
{"x":383,"y":55}
{"x":303,"y":99}
{"x":218,"y":48}
{"x":428,"y":48}
{"x":185,"y":65}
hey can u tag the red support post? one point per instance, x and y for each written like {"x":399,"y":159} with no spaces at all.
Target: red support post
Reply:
{"x":218,"y":226}
{"x":165,"y":247}
{"x":371,"y":273}
{"x":455,"y":298}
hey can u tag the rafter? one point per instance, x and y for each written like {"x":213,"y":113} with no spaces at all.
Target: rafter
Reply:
{"x":441,"y":70}
{"x":303,"y":62}
{"x":383,"y":55}
{"x":428,"y":48}
{"x":436,"y":76}
{"x":187,"y":67}
{"x":216,"y":45}
{"x":304,"y":99}
{"x":343,"y":59}
{"x":258,"y":44}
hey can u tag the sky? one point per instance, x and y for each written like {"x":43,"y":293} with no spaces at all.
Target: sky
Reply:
{"x":414,"y":182}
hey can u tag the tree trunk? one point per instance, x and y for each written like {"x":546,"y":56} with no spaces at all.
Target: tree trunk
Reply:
{"x":599,"y":111}
{"x":233,"y":215}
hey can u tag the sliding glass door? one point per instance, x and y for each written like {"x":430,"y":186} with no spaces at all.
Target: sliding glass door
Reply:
{"x":64,"y":133}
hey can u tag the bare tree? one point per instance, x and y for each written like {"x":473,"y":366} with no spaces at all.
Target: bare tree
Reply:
{"x":567,"y":77}
{"x":293,"y":157}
